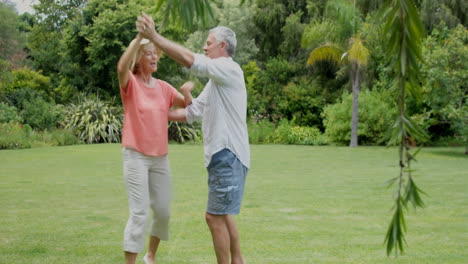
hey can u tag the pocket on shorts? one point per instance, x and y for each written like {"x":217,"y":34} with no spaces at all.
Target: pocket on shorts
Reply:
{"x":220,"y":169}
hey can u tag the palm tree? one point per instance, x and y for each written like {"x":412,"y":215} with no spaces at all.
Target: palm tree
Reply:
{"x":357,"y":57}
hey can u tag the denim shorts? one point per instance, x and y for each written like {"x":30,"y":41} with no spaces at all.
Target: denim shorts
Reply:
{"x":226,"y":181}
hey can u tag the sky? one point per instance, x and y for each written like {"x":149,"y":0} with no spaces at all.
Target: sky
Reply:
{"x":23,"y":6}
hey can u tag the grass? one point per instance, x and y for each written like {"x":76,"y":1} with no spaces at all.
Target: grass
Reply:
{"x":304,"y":205}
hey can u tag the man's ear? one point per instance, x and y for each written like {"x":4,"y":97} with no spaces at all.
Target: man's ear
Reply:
{"x":223,"y":44}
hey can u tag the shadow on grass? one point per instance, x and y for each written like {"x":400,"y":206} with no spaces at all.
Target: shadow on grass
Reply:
{"x":454,"y":153}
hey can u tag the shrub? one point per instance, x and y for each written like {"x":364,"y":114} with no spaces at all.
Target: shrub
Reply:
{"x":94,"y":121}
{"x":260,"y":131}
{"x":58,"y":137}
{"x":25,"y":78}
{"x":33,"y":108}
{"x":40,"y":114}
{"x":9,"y":114}
{"x":375,"y":117}
{"x":14,"y":136}
{"x":306,"y":136}
{"x":281,"y":133}
{"x":181,"y":132}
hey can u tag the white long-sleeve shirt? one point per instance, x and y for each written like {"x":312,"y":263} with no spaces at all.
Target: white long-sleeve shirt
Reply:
{"x":222,"y":107}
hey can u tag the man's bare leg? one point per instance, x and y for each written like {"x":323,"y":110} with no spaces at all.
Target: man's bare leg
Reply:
{"x":220,"y":234}
{"x":236,"y":256}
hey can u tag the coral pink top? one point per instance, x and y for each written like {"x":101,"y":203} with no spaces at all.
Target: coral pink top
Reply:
{"x":145,"y":116}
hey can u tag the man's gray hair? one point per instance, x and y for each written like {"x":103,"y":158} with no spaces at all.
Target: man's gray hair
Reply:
{"x":223,"y":33}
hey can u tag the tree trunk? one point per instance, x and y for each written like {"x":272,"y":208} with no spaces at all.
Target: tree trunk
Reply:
{"x":355,"y":112}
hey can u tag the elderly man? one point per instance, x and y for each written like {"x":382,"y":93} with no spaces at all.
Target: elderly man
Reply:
{"x":222,"y":107}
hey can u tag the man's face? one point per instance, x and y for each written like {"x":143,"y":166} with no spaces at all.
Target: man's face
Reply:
{"x":214,"y":49}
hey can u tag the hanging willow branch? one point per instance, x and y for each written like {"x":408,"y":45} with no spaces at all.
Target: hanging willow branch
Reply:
{"x":185,"y":13}
{"x":405,"y":32}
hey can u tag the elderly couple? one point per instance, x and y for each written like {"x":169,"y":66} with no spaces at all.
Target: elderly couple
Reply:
{"x":221,"y":107}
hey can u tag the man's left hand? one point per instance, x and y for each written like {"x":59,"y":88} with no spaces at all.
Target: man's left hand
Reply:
{"x":145,"y":26}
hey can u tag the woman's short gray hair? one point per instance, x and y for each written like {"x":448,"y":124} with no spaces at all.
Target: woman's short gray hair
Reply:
{"x":223,"y":33}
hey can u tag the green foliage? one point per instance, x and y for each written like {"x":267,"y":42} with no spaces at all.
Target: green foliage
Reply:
{"x":33,"y":108}
{"x":94,"y":121}
{"x":345,"y":15}
{"x":318,"y":32}
{"x":268,"y":84}
{"x":260,"y":131}
{"x":6,"y":77}
{"x":44,"y":48}
{"x":11,"y":40}
{"x":251,"y":71}
{"x":9,"y":114}
{"x":236,"y":17}
{"x":56,"y":137}
{"x":108,"y":27}
{"x":25,"y":78}
{"x":450,"y":12}
{"x":445,"y":89}
{"x":273,"y":19}
{"x":40,"y":114}
{"x":184,"y":13}
{"x":95,"y":40}
{"x":45,"y":40}
{"x":181,"y":132}
{"x":14,"y":136}
{"x":375,"y":118}
{"x":326,"y":52}
{"x":292,"y":33}
{"x":302,"y":102}
{"x":306,"y":136}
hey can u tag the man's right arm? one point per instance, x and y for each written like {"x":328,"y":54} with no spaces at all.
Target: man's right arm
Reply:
{"x":182,"y":55}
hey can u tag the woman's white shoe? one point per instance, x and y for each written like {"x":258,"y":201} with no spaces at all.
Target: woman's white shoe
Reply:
{"x":145,"y":259}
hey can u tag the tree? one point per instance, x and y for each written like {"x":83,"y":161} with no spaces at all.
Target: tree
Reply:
{"x":236,"y":17}
{"x":11,"y":39}
{"x":93,"y":42}
{"x":451,"y":12}
{"x":279,"y":25}
{"x":445,"y":90}
{"x":404,"y":32}
{"x":357,"y":55}
{"x":45,"y":43}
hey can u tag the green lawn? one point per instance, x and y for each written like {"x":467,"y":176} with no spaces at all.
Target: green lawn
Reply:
{"x":302,"y":205}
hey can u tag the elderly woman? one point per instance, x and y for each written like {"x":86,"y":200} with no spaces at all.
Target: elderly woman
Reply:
{"x":146,"y":102}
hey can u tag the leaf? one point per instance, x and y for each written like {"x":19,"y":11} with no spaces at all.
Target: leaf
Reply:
{"x":412,"y":194}
{"x":390,"y":182}
{"x":325,"y":53}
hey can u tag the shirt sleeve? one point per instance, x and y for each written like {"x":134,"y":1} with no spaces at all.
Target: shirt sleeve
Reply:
{"x":194,"y":111}
{"x":214,"y":69}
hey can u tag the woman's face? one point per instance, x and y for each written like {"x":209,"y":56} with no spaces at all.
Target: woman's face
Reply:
{"x":149,"y":59}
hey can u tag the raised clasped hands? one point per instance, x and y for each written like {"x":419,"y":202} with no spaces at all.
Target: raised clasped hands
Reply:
{"x":145,"y":26}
